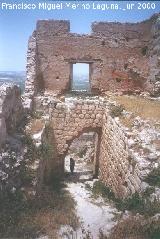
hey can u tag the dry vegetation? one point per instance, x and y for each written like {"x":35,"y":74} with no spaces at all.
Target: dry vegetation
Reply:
{"x":135,"y":228}
{"x":41,"y":215}
{"x":145,"y":108}
{"x":36,"y":125}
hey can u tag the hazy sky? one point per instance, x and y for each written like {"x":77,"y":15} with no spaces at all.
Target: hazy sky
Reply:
{"x":17,"y":25}
{"x":81,"y":68}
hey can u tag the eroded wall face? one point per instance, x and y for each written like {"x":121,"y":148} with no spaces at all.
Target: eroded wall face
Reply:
{"x":71,"y":119}
{"x":116,"y":167}
{"x":117,"y":54}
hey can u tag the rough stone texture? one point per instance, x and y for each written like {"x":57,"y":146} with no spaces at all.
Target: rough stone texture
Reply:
{"x":11,"y":109}
{"x":154,"y":56}
{"x":50,"y":166}
{"x":30,"y":83}
{"x":121,"y":56}
{"x":72,"y":118}
{"x":12,"y":163}
{"x":118,"y":164}
{"x":118,"y":161}
{"x":116,"y":167}
{"x":3,"y":132}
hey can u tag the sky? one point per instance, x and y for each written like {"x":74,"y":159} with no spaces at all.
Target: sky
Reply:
{"x":17,"y":25}
{"x":80,"y":68}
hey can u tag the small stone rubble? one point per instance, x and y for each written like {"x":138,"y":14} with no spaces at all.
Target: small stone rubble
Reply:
{"x":12,"y":163}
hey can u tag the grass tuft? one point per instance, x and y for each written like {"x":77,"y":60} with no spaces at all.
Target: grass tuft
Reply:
{"x":39,"y":215}
{"x":116,"y":111}
{"x":153,"y":178}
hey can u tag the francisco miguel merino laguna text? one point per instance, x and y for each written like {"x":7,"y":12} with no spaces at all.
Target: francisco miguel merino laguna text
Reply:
{"x":74,"y":6}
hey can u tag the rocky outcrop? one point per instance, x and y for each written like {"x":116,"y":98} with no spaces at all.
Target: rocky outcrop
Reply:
{"x":154,"y":54}
{"x":11,"y":110}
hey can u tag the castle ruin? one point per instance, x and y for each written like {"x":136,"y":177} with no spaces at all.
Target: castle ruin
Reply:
{"x":121,"y":58}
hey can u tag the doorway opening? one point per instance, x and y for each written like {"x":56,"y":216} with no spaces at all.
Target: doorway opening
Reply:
{"x":83,"y":150}
{"x":80,"y":81}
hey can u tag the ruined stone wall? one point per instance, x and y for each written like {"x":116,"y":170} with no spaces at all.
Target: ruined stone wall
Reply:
{"x":129,"y":31}
{"x":107,"y":56}
{"x":31,"y":83}
{"x":114,"y":161}
{"x":74,"y":117}
{"x":48,"y":165}
{"x":11,"y":109}
{"x":117,"y":54}
{"x":116,"y":166}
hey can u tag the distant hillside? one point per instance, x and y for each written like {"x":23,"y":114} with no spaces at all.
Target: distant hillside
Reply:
{"x":17,"y":77}
{"x":80,"y":82}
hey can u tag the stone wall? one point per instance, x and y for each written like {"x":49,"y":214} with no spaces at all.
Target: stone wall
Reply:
{"x":122,"y":57}
{"x":117,"y":168}
{"x":113,"y":161}
{"x":74,"y":117}
{"x":117,"y":54}
{"x":31,"y":84}
{"x":11,"y":109}
{"x":49,"y":163}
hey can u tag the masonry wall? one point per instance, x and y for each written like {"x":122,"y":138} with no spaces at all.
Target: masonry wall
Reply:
{"x":71,"y":119}
{"x":116,"y":52}
{"x":117,"y":168}
{"x":107,"y":56}
{"x":48,"y":168}
{"x":114,"y":162}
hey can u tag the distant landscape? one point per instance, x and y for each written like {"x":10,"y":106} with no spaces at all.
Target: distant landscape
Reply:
{"x":16,"y":77}
{"x":80,"y":83}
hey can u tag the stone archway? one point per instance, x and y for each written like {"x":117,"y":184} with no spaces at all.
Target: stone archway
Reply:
{"x":76,"y":115}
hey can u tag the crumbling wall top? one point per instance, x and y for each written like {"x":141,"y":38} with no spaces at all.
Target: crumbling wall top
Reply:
{"x":118,"y":55}
{"x":127,"y":30}
{"x":134,"y":30}
{"x":53,"y":27}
